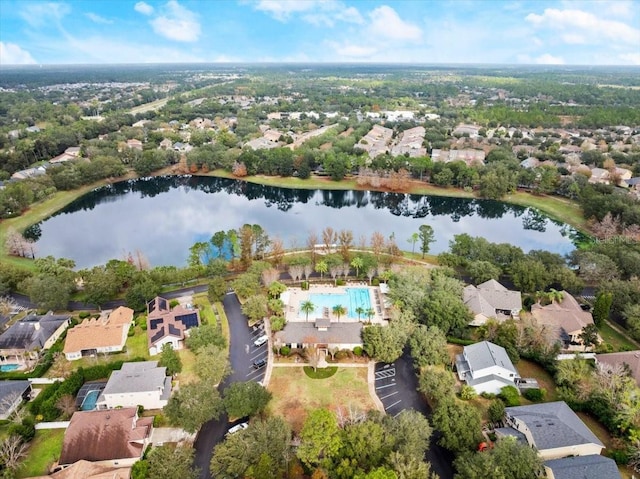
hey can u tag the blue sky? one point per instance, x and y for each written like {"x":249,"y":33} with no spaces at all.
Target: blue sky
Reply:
{"x":589,"y":32}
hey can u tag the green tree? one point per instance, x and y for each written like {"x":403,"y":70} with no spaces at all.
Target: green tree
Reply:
{"x":322,"y":267}
{"x":217,"y":289}
{"x":426,"y":238}
{"x":307,"y":307}
{"x":436,"y":383}
{"x":360,"y":311}
{"x":496,"y":411}
{"x":255,"y":308}
{"x":320,"y":440}
{"x":170,"y":359}
{"x":413,"y":239}
{"x":203,"y":335}
{"x":171,"y":461}
{"x":212,"y":364}
{"x":481,"y":271}
{"x":357,"y":263}
{"x":509,"y":459}
{"x":602,"y":308}
{"x":460,"y":425}
{"x":428,"y":346}
{"x":383,"y":343}
{"x":339,"y":310}
{"x":143,"y":290}
{"x":276,"y":289}
{"x":245,"y":399}
{"x":193,"y":405}
{"x":411,"y":432}
{"x":48,"y":292}
{"x":529,"y":276}
{"x":589,"y":335}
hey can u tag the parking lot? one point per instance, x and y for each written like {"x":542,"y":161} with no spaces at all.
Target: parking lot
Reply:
{"x":387,"y":389}
{"x":255,"y":353}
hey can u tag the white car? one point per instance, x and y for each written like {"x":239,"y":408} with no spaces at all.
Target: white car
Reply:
{"x":238,"y":427}
{"x":261,"y":340}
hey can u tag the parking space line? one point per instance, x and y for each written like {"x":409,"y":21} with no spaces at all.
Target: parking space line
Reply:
{"x":391,"y":405}
{"x":386,"y":386}
{"x":388,"y":395}
{"x":253,"y":372}
{"x":258,"y":355}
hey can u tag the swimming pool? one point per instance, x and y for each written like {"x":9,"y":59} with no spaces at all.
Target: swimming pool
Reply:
{"x":90,"y":400}
{"x":8,"y":367}
{"x":351,"y":299}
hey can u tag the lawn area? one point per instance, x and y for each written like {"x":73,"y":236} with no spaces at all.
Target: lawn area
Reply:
{"x":207,"y":316}
{"x":44,"y":450}
{"x":295,"y":394}
{"x":136,"y":347}
{"x":619,"y":341}
{"x":188,"y":373}
{"x":529,"y":369}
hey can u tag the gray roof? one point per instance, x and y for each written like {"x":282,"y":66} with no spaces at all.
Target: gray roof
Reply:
{"x":137,"y":377}
{"x":31,"y":332}
{"x":485,"y":355}
{"x":9,"y":392}
{"x":633,"y":181}
{"x":306,"y":332}
{"x":553,"y":425}
{"x":490,"y":296}
{"x":584,"y":467}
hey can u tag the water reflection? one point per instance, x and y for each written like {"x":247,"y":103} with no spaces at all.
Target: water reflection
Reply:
{"x":163,"y":216}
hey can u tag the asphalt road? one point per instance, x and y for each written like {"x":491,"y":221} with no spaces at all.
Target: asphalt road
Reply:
{"x":397,"y":387}
{"x":242,"y":353}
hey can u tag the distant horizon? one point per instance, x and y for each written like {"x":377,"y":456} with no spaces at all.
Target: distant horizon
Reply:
{"x":484,"y":32}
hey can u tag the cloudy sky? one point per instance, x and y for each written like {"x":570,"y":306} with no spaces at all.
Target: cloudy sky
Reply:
{"x":582,"y":32}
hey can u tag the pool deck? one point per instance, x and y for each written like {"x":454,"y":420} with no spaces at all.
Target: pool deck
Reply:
{"x":296,"y":296}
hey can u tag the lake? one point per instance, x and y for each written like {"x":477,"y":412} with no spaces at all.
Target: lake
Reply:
{"x":163,"y":216}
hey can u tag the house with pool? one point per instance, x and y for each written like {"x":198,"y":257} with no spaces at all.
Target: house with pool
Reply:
{"x":24,"y":341}
{"x":136,"y":384}
{"x":326,"y":326}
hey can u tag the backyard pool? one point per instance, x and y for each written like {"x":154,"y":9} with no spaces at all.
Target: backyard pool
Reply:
{"x":8,"y":367}
{"x":352,"y":299}
{"x":89,"y":403}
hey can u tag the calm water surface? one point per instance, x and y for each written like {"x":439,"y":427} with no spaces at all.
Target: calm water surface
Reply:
{"x":162,"y":217}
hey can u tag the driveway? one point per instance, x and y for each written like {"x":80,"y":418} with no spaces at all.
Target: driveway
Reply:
{"x":396,"y":386}
{"x":242,"y":353}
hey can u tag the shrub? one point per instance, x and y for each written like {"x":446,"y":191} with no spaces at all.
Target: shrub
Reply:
{"x":277,"y":323}
{"x":26,"y":430}
{"x":285,"y":350}
{"x":496,"y":411}
{"x":375,"y":282}
{"x":132,"y":331}
{"x":305,"y":285}
{"x":84,"y":314}
{"x":534,"y":394}
{"x":340,"y":282}
{"x":510,"y":396}
{"x":358,"y":351}
{"x":173,"y":303}
{"x":341,"y":355}
{"x":467,"y":392}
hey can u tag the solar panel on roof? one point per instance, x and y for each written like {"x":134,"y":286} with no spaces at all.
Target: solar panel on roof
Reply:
{"x":173,"y":330}
{"x":152,"y":305}
{"x":154,"y":323}
{"x":189,"y":320}
{"x":162,"y":303}
{"x":158,"y":335}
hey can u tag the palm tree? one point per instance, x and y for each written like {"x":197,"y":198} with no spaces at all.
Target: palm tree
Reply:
{"x":413,"y":240}
{"x":307,"y":307}
{"x":339,"y":310}
{"x":370,"y":313}
{"x":360,"y":310}
{"x":357,"y":263}
{"x":322,"y":267}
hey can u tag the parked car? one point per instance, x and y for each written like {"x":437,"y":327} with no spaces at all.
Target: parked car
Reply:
{"x":259,"y":363}
{"x":261,"y":340}
{"x":238,"y":427}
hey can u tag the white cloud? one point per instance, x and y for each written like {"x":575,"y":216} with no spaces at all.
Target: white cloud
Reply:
{"x":350,"y":50}
{"x":98,"y":19}
{"x":386,"y":23}
{"x":12,"y":54}
{"x":283,"y":10}
{"x":177,"y":23}
{"x":593,"y":27}
{"x":144,"y":8}
{"x":574,"y":39}
{"x":316,"y":12}
{"x":630,"y":58}
{"x":40,"y":14}
{"x":548,"y":59}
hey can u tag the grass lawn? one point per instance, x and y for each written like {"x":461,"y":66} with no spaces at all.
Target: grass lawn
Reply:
{"x":188,"y":373}
{"x":207,"y":315}
{"x":529,"y":369}
{"x":619,"y":341}
{"x":44,"y":450}
{"x":295,"y":394}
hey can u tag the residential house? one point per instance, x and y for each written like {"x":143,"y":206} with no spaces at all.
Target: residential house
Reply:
{"x":323,"y":333}
{"x":486,"y":367}
{"x":89,"y":470}
{"x":563,"y":322}
{"x":376,"y":141}
{"x":114,"y":437}
{"x":553,"y":429}
{"x":136,"y":384}
{"x":470,"y":157}
{"x":25,"y":339}
{"x":166,"y":144}
{"x":491,"y":300}
{"x":410,"y":143}
{"x":29,"y":173}
{"x":600,"y":176}
{"x":106,"y":334}
{"x":12,"y":394}
{"x":472,"y":131}
{"x":134,"y":144}
{"x":168,"y":326}
{"x":582,"y":467}
{"x":630,"y":360}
